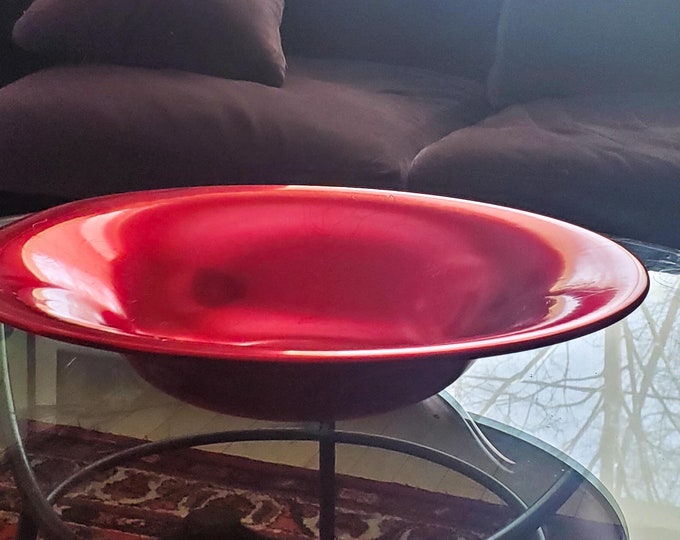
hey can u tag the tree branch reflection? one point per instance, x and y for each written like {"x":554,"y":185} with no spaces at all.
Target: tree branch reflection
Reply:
{"x":610,"y":400}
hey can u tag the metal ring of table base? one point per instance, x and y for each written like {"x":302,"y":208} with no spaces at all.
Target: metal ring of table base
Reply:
{"x":528,"y":521}
{"x":39,"y":512}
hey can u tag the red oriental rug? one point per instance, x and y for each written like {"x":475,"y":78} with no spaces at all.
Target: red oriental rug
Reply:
{"x":150,"y":497}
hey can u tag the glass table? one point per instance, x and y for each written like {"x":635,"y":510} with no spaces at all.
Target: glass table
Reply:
{"x":604,"y":409}
{"x":66,"y":398}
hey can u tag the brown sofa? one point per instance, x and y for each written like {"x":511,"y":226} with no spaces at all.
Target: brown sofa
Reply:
{"x":570,"y":109}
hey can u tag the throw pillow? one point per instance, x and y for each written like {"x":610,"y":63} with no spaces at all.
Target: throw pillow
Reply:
{"x":237,"y":39}
{"x":561,"y":48}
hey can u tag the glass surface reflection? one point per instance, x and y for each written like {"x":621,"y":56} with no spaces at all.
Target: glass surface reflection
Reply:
{"x":611,"y":401}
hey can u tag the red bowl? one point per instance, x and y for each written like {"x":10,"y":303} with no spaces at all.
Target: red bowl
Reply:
{"x":306,"y":303}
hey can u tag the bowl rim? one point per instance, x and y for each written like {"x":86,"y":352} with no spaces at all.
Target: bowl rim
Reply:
{"x":628,"y":296}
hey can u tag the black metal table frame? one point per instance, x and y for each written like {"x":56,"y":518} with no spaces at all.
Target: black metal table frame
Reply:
{"x":40,"y":515}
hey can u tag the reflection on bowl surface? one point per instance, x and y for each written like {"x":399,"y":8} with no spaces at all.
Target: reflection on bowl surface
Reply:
{"x":326,"y":274}
{"x":297,"y":275}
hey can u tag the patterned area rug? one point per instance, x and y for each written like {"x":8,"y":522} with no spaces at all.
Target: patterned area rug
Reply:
{"x":152,"y":497}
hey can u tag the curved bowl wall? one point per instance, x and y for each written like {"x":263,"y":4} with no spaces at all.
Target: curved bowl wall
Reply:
{"x":303,"y":302}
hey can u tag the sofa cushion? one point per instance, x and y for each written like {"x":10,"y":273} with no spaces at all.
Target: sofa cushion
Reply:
{"x":454,"y":36}
{"x":608,"y":162}
{"x":560,"y":48}
{"x":79,"y":131}
{"x":237,"y":39}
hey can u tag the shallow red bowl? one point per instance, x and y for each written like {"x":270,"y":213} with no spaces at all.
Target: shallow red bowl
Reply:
{"x":307,"y":303}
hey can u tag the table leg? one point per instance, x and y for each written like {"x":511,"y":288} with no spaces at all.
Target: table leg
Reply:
{"x":26,"y":528}
{"x":327,"y":481}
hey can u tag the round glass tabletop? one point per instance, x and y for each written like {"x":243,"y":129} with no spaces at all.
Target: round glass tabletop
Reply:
{"x":76,"y":405}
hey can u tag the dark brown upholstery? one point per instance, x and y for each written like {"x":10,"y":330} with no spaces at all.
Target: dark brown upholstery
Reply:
{"x":453,"y":36}
{"x":236,"y":39}
{"x":561,"y":48}
{"x":14,"y":62}
{"x":87,"y":130}
{"x":609,"y":162}
{"x":592,"y":135}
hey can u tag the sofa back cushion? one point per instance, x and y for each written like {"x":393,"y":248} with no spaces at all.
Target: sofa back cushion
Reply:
{"x":568,"y":47}
{"x":454,"y":36}
{"x":236,"y":39}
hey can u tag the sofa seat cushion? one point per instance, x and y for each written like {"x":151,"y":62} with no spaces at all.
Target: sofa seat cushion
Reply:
{"x":607,"y":162}
{"x":80,"y":131}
